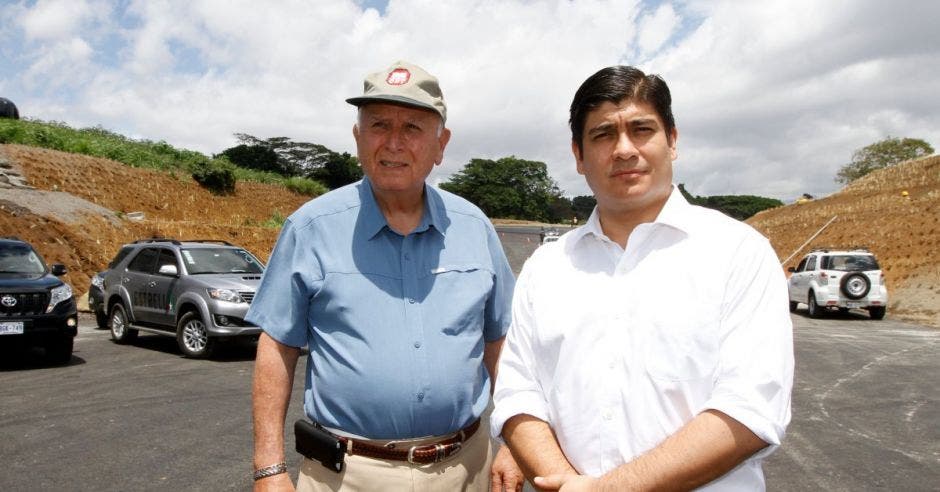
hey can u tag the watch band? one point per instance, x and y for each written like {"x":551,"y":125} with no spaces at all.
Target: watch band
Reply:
{"x":270,"y":470}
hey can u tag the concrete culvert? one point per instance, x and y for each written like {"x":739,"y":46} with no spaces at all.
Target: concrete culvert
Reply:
{"x":8,"y":109}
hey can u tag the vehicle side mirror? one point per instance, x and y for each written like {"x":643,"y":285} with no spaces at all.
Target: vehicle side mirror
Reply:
{"x":59,"y":269}
{"x":169,"y":271}
{"x":791,"y":269}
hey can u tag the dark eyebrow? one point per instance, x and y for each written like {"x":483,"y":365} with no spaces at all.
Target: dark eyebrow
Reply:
{"x":644,"y":121}
{"x":602,"y":128}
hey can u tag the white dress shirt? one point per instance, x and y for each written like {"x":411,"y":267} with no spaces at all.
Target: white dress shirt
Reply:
{"x":617,"y":349}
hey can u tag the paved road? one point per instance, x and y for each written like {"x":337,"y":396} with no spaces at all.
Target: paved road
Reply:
{"x":866,"y":407}
{"x":142,"y":417}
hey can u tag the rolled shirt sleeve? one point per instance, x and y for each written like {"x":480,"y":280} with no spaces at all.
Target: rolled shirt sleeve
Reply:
{"x":755,"y":374}
{"x":281,"y":305}
{"x":496,"y":316}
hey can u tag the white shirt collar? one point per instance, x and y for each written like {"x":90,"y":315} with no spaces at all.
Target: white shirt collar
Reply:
{"x":675,"y":213}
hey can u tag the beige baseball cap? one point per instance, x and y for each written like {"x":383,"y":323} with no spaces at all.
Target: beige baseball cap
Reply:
{"x":403,"y":83}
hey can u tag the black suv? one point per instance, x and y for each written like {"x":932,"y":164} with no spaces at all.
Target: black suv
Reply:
{"x":36,"y":308}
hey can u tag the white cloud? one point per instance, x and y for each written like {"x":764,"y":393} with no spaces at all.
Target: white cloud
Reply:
{"x":771,"y":97}
{"x":54,"y":19}
{"x":656,"y":28}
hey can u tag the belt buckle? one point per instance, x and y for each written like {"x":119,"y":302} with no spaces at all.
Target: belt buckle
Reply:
{"x":439,"y":449}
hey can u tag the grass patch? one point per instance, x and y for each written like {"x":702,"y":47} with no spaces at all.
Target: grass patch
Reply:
{"x":161,"y":156}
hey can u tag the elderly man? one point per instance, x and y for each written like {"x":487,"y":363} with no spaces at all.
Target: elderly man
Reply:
{"x":402,"y":294}
{"x":673,"y":371}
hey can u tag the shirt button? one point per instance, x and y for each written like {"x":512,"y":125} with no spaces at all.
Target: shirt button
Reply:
{"x":420,"y":396}
{"x":417,"y":344}
{"x":411,"y":300}
{"x":607,"y":415}
{"x":407,"y":257}
{"x":611,"y":365}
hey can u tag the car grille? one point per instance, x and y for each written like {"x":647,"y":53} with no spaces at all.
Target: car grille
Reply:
{"x":248,"y":296}
{"x":27,"y":304}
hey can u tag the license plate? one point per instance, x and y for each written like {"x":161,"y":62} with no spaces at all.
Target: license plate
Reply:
{"x":853,"y":304}
{"x":11,"y":328}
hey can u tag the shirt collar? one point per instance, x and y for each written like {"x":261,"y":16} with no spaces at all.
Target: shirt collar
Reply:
{"x":675,"y":214}
{"x":373,"y":220}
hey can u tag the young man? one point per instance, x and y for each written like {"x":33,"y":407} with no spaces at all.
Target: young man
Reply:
{"x":402,"y":294}
{"x":674,"y":370}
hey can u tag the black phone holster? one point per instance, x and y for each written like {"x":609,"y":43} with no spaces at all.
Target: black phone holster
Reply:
{"x":319,"y":445}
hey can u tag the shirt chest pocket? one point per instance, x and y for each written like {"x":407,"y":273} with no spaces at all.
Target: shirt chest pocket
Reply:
{"x":457,"y":296}
{"x":679,"y":349}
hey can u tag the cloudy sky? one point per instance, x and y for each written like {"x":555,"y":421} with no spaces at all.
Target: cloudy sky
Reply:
{"x":770,"y":97}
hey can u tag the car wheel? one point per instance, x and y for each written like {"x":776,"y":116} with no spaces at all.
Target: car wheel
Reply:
{"x":855,"y":285}
{"x":814,"y":310}
{"x":59,"y":349}
{"x":192,"y":336}
{"x":877,"y":312}
{"x":120,"y":331}
{"x":793,"y":306}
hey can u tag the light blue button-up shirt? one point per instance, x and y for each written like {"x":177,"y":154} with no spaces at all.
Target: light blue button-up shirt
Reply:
{"x":395,"y":324}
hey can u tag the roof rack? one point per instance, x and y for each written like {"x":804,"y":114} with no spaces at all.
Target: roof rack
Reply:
{"x":826,"y":249}
{"x":157,"y":240}
{"x":221,"y":241}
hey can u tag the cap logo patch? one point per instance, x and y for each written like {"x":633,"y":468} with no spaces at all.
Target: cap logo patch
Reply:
{"x":399,"y":76}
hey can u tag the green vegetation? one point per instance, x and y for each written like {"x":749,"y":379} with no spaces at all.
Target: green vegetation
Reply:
{"x":276,"y":221}
{"x":880,"y":155}
{"x":511,"y":188}
{"x":217,"y":174}
{"x":739,"y":207}
{"x":286,"y":157}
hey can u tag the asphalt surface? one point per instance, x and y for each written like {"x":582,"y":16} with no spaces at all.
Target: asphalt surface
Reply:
{"x":142,"y":417}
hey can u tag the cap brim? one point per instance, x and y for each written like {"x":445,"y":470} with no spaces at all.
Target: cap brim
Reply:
{"x":404,"y":101}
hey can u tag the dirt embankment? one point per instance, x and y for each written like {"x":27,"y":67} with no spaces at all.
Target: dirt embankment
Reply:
{"x":75,"y":210}
{"x":895,"y":213}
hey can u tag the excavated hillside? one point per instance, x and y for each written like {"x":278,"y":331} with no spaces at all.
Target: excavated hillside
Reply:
{"x":894,"y":212}
{"x":78,"y":210}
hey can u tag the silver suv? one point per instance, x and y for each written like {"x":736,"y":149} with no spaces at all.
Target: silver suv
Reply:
{"x":197,"y":290}
{"x":839,"y":278}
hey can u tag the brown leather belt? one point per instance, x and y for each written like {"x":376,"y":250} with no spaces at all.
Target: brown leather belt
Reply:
{"x":433,"y":452}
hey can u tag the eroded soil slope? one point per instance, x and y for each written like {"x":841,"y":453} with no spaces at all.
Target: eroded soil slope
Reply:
{"x":895,"y":213}
{"x":77,"y":212}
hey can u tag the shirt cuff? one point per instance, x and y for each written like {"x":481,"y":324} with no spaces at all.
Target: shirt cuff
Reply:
{"x":516,"y":403}
{"x":756,"y":420}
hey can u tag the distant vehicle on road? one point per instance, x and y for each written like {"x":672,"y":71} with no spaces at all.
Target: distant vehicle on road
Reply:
{"x":839,"y":278}
{"x":549,"y":236}
{"x":36,"y":307}
{"x":198,"y":291}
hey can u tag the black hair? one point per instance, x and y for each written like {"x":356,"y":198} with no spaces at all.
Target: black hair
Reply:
{"x":614,"y":84}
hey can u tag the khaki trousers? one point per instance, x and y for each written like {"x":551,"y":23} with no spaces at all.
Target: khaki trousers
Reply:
{"x":469,"y":470}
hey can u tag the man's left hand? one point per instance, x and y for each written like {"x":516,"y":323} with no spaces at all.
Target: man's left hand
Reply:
{"x":505,"y":474}
{"x":567,"y":483}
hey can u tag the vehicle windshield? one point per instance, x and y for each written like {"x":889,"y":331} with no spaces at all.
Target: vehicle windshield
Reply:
{"x":20,"y":258}
{"x":850,"y":263}
{"x":220,"y":260}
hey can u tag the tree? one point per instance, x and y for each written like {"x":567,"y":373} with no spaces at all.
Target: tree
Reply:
{"x":737,"y":206}
{"x":257,"y":157}
{"x":880,"y":155}
{"x":289,"y":158}
{"x":510,"y":188}
{"x":337,"y":170}
{"x":583,"y":205}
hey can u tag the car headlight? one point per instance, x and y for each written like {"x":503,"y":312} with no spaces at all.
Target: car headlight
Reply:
{"x":97,"y":281}
{"x":59,"y":294}
{"x":225,"y":295}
